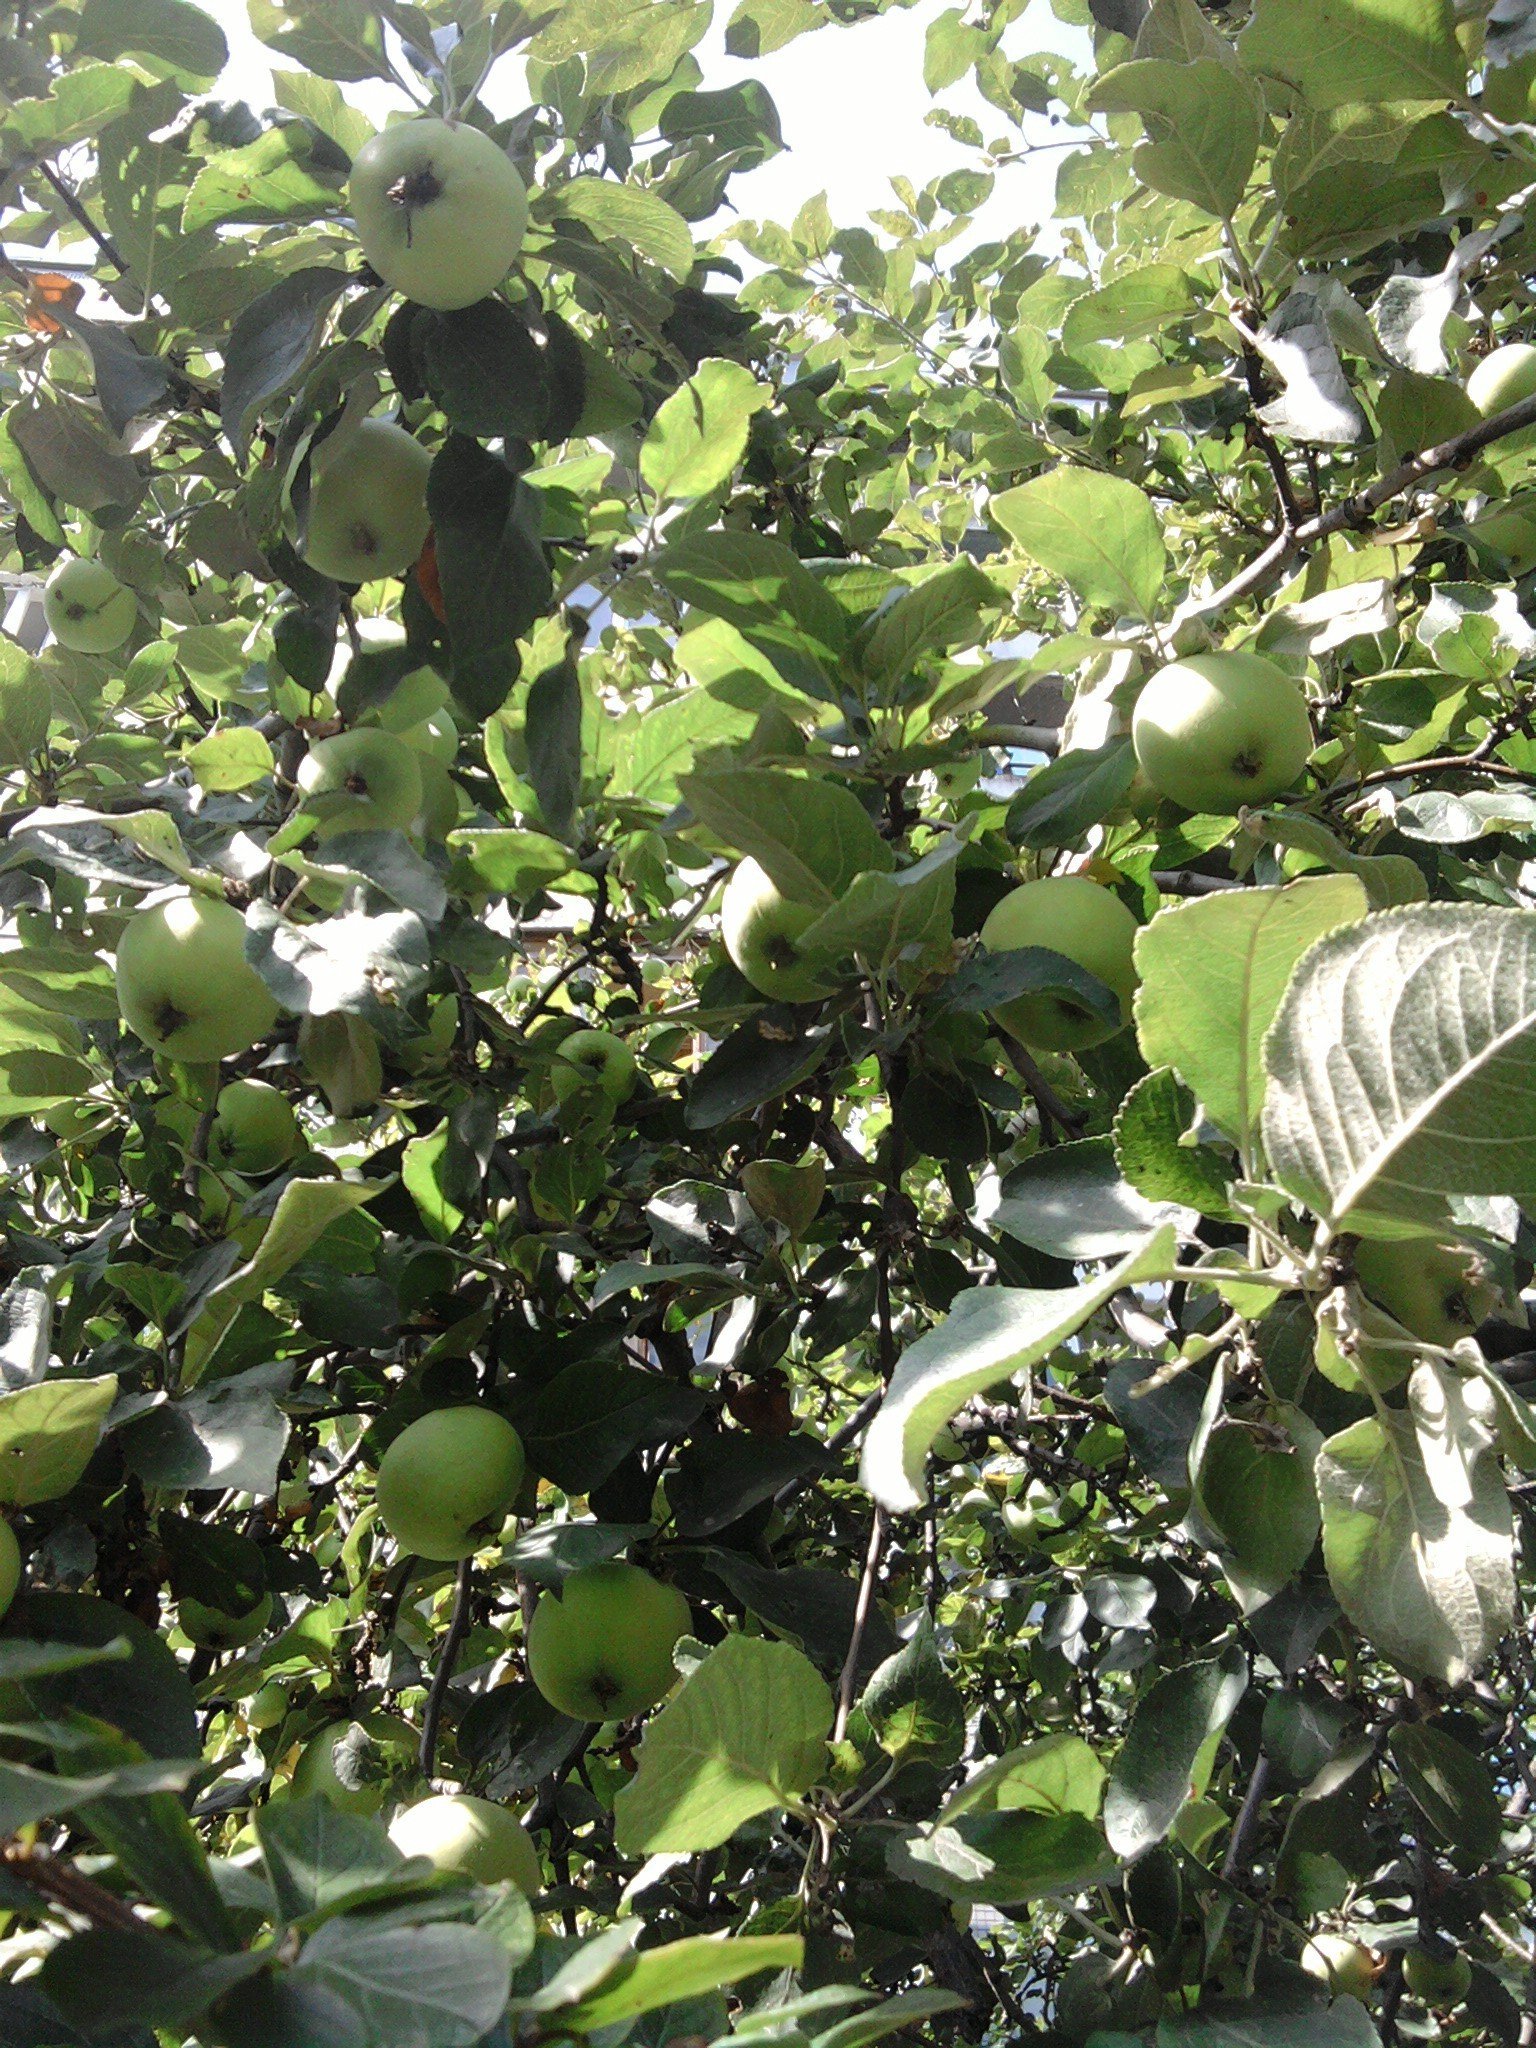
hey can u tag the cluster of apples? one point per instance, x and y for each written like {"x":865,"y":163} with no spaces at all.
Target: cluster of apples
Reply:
{"x":1438,"y":1977}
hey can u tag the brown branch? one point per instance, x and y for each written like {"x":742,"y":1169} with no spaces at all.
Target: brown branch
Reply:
{"x":1360,"y":508}
{"x":1046,"y":1100}
{"x":99,"y":236}
{"x":848,"y":1682}
{"x":447,"y":1657}
{"x":62,"y":1885}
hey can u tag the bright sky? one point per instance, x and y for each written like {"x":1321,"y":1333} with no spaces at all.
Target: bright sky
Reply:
{"x":851,"y":102}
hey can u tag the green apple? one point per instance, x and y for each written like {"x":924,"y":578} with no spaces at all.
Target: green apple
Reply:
{"x":1343,"y":1966}
{"x":365,"y":780}
{"x":475,"y":1838}
{"x":10,"y":1566}
{"x":87,"y":609}
{"x":315,"y":1771}
{"x":1082,"y":921}
{"x":254,"y":1128}
{"x":184,"y":984}
{"x":1440,"y":1292}
{"x":761,"y":928}
{"x":367,"y":503}
{"x":1503,"y":378}
{"x":602,"y":1649}
{"x":421,"y":694}
{"x":1436,"y":1980}
{"x":593,"y":1059}
{"x":1219,"y":730}
{"x":1510,"y":529}
{"x":212,"y":1629}
{"x":446,"y":1482}
{"x":439,"y":811}
{"x":440,"y":211}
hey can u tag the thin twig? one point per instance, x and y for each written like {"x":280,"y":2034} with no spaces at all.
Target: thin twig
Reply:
{"x":447,"y":1657}
{"x":848,"y":1682}
{"x":63,"y":1885}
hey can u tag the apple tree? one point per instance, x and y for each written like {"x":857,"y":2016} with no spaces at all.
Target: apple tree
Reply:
{"x":767,"y":1036}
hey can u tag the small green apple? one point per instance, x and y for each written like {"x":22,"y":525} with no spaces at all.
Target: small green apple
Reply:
{"x":87,"y":609}
{"x":475,"y":1838}
{"x":394,"y":1743}
{"x":435,"y":737}
{"x":212,"y":1629}
{"x":1085,"y":923}
{"x":446,"y":1482}
{"x":254,"y":1128}
{"x":184,"y":984}
{"x":1343,"y":1966}
{"x":1219,"y":730}
{"x":421,"y":694}
{"x":602,"y":1650}
{"x":10,"y":1566}
{"x":365,"y":780}
{"x":440,"y":211}
{"x":593,"y":1059}
{"x":761,"y":928}
{"x":367,"y":503}
{"x":1440,"y":1292}
{"x":1504,"y":377}
{"x":439,"y":811}
{"x":1437,"y":1980}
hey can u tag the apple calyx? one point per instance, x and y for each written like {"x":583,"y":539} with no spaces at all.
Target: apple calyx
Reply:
{"x":168,"y":1019}
{"x":415,"y":190}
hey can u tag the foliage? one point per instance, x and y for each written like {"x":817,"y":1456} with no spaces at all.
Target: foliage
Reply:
{"x":1094,"y":1593}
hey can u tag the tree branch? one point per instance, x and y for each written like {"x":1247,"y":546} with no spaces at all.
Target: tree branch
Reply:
{"x":447,"y":1657}
{"x":848,"y":1682}
{"x":1360,"y":508}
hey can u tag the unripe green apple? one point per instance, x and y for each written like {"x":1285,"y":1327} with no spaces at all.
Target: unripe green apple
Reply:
{"x":475,"y":1838}
{"x":1504,"y":377}
{"x":439,"y":811}
{"x":1343,"y":1966}
{"x":761,"y":928}
{"x":254,"y":1128}
{"x":1440,"y":1292}
{"x":784,"y":1193}
{"x":593,"y":1059}
{"x":421,"y":694}
{"x":184,"y":984}
{"x":365,"y":780}
{"x":435,"y":737}
{"x":602,"y":1650}
{"x":87,"y":609}
{"x":10,"y":1566}
{"x":1077,"y":918}
{"x":212,"y":1629}
{"x":440,"y":211}
{"x":1436,"y":1980}
{"x":1220,"y":730}
{"x":315,"y":1770}
{"x":367,"y":503}
{"x":446,"y":1482}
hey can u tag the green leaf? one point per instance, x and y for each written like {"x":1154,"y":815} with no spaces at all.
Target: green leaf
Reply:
{"x":913,"y":1706}
{"x":111,"y":1978}
{"x":700,"y":433}
{"x":1335,"y":52}
{"x":491,"y":565}
{"x":1388,"y":879}
{"x":1452,"y":1788}
{"x":1258,"y":1495}
{"x":943,"y":611}
{"x":1213,"y":971}
{"x":48,"y":1434}
{"x":439,"y":1986}
{"x":552,"y":733}
{"x":1174,"y":1718}
{"x":1259,"y":2023}
{"x":305,"y":1210}
{"x":680,"y":1970}
{"x":507,"y":862}
{"x":271,"y":343}
{"x":989,"y":1334}
{"x":1073,"y":1202}
{"x":813,"y":837}
{"x":882,"y":918}
{"x":1203,"y":122}
{"x":28,"y":1795}
{"x":1098,"y":532}
{"x":1058,"y":1774}
{"x":1004,"y":1858}
{"x":764,"y":1057}
{"x":270,"y":179}
{"x":1152,"y":1128}
{"x":341,"y":39}
{"x":1062,"y":800}
{"x":627,"y":214}
{"x":757,"y":584}
{"x":891,"y":2016}
{"x":168,"y":34}
{"x":745,"y":1735}
{"x":1433,"y":1009}
{"x":319,"y":1859}
{"x":1417,"y":1530}
{"x":232,"y":758}
{"x":482,"y":368}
